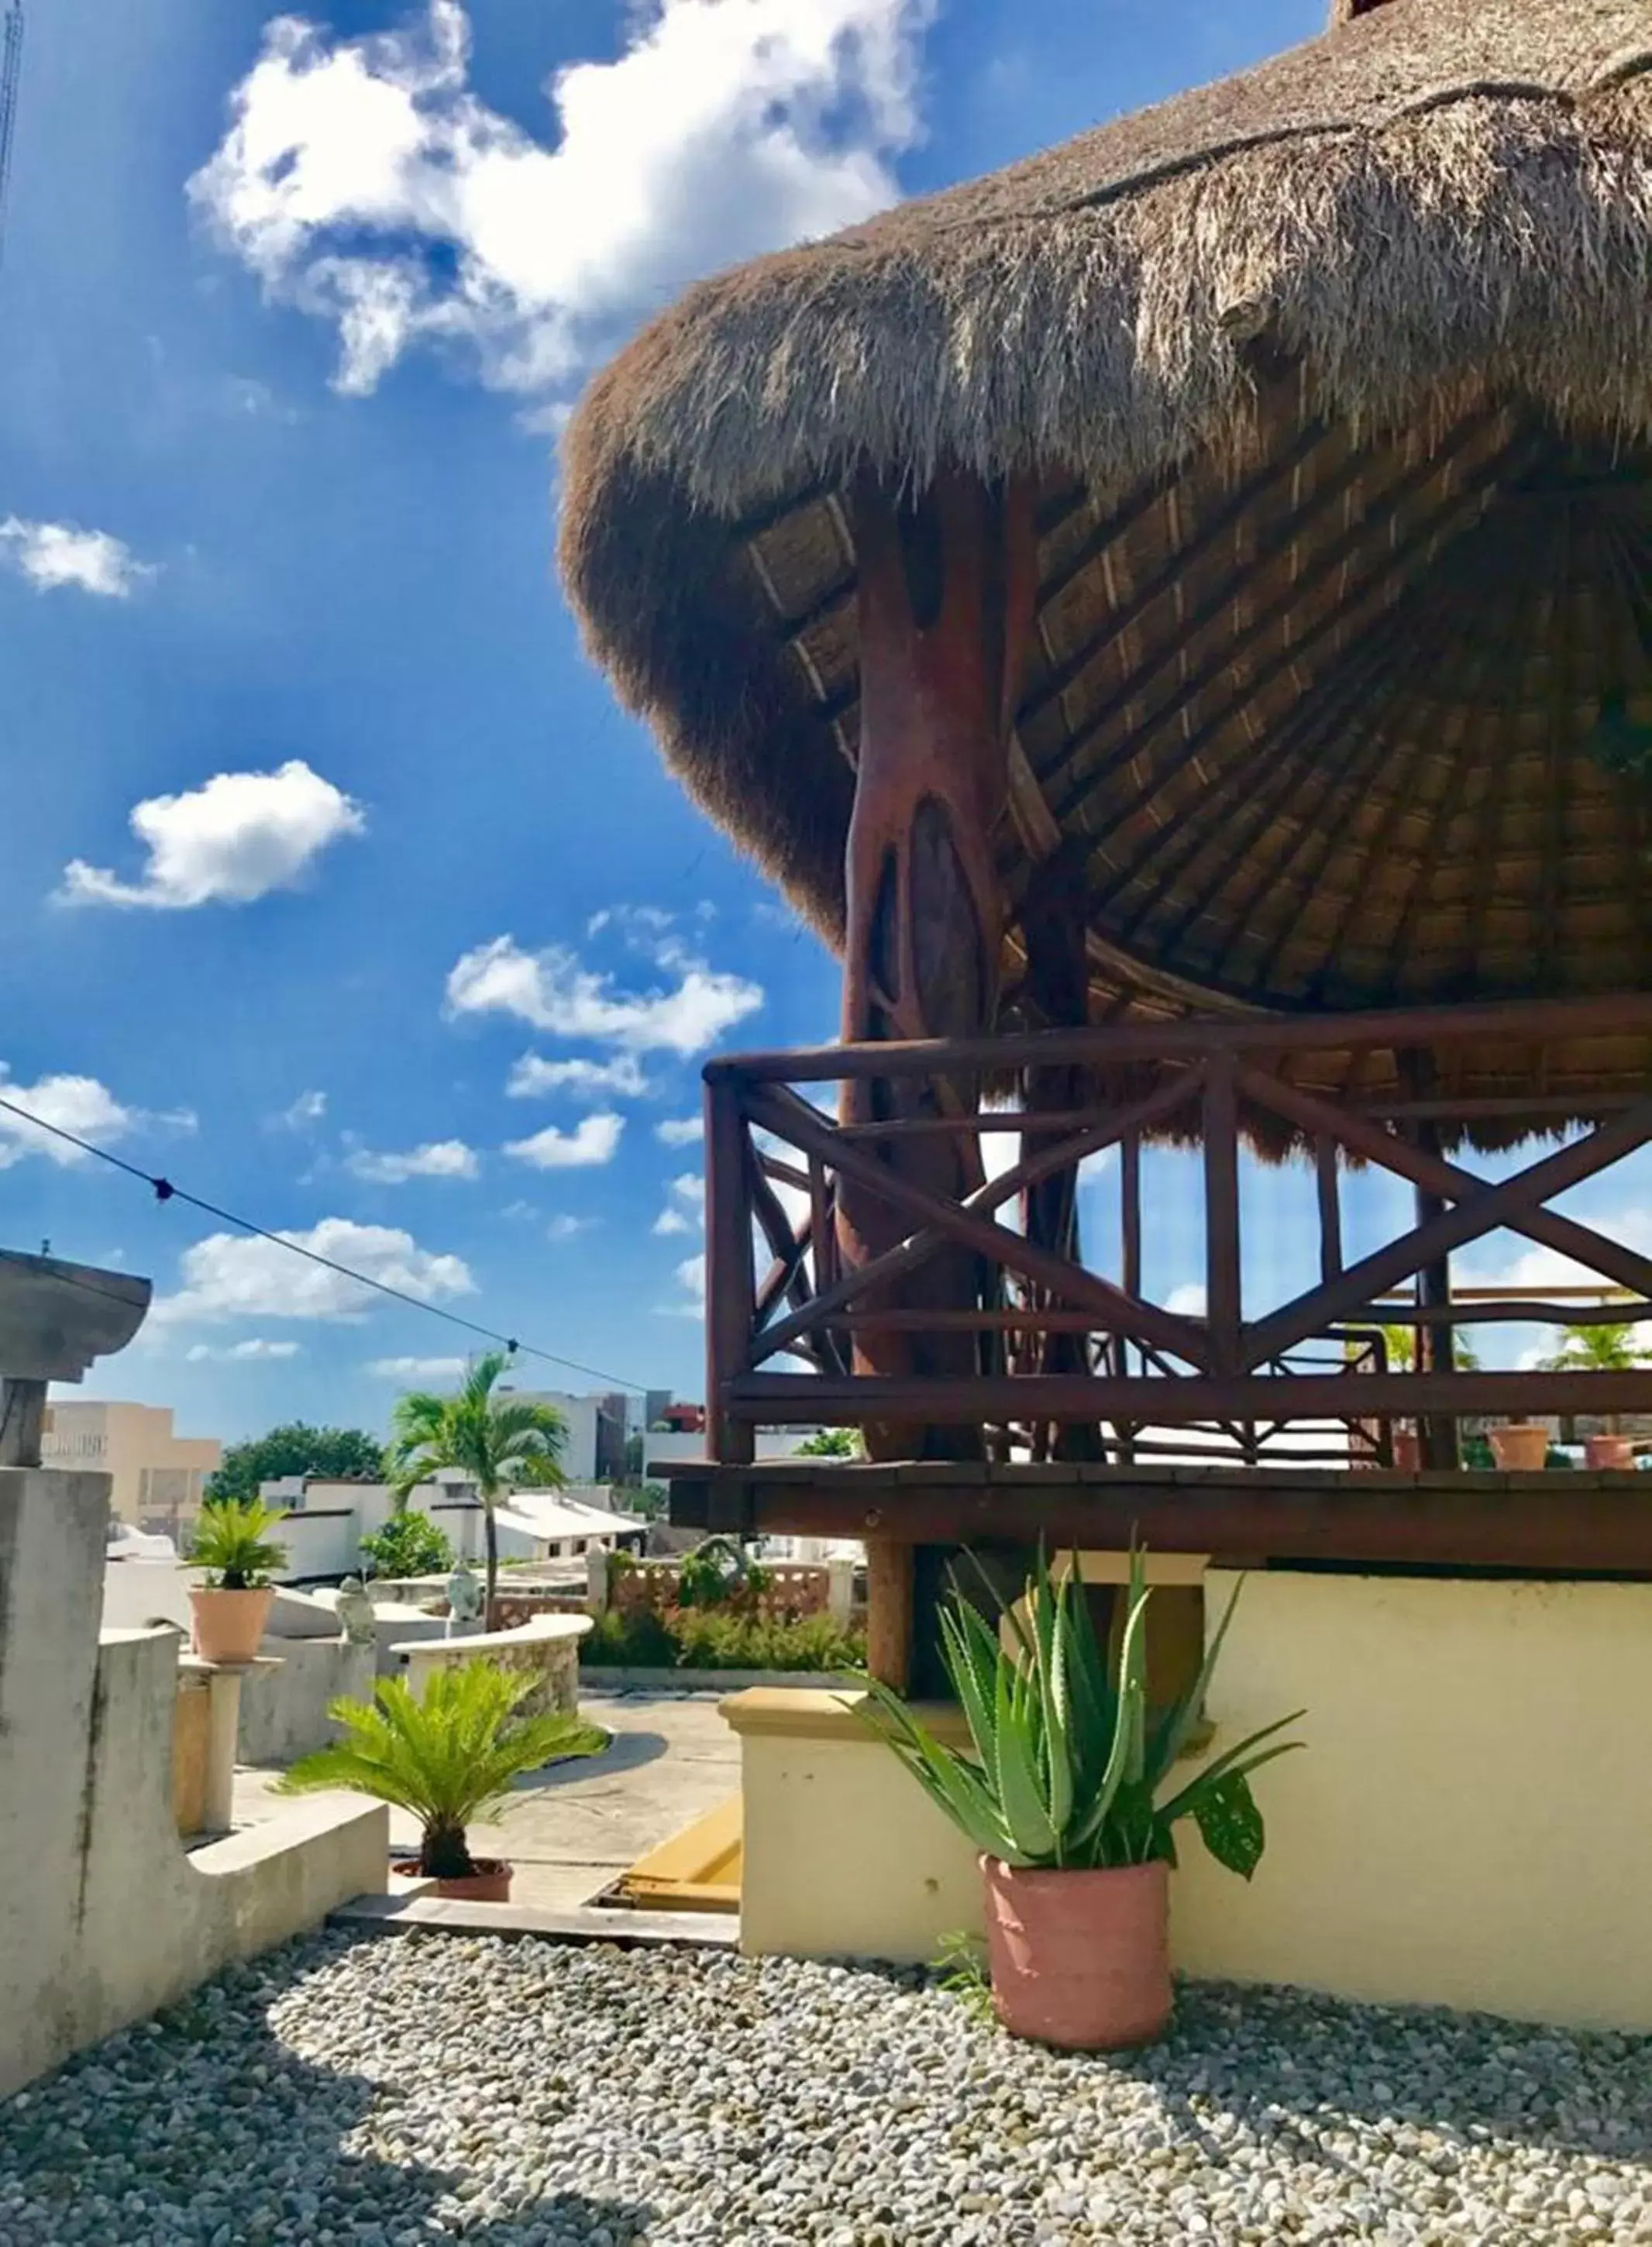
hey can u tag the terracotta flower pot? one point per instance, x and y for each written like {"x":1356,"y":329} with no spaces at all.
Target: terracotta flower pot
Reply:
{"x":1608,"y":1452}
{"x":1519,"y":1447}
{"x":229,"y":1625}
{"x":489,"y":1883}
{"x":1079,"y":1958}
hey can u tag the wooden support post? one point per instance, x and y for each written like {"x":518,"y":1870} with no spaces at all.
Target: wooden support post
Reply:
{"x":1223,"y":1304}
{"x":731,"y":1291}
{"x":1436,"y":1350}
{"x":888,"y":1612}
{"x":1057,"y":989}
{"x":1330,"y":1208}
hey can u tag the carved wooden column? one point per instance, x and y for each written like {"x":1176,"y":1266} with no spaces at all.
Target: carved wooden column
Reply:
{"x":944,"y":596}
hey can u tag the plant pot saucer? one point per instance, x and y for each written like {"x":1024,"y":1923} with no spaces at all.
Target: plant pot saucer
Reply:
{"x":488,"y":1883}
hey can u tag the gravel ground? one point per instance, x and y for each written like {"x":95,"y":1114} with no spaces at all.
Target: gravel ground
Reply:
{"x":391,"y":2091}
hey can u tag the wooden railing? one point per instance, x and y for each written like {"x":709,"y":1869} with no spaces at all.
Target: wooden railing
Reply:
{"x":778,"y":1286}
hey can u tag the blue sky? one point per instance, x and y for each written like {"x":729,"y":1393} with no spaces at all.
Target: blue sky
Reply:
{"x":292,"y":317}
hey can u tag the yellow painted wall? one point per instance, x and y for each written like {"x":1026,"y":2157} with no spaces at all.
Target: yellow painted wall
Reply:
{"x":1470,"y":1823}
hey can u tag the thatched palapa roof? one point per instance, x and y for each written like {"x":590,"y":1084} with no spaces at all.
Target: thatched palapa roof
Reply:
{"x":1335,"y":381}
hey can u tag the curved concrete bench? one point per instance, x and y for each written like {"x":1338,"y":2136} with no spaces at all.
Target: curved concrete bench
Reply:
{"x":548,"y":1646}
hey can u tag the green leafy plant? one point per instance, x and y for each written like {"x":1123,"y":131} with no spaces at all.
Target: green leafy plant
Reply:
{"x":831,"y":1443}
{"x":501,"y":1442}
{"x":408,"y":1544}
{"x":959,"y":1968}
{"x":1067,"y":1766}
{"x":719,"y":1569}
{"x":232,"y":1544}
{"x":449,"y":1760}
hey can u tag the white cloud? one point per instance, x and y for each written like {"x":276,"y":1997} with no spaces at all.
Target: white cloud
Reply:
{"x":79,"y":1104}
{"x":309,"y":1108}
{"x":680,"y":1130}
{"x":687,"y":1207}
{"x":1533,"y":1271}
{"x":438,"y":1158}
{"x":554,"y":991}
{"x":225,"y":1276}
{"x":593,"y":1140}
{"x":228,"y":842}
{"x":53,"y":554}
{"x":1187,"y":1302}
{"x":564,"y":1226}
{"x":419,"y":1369}
{"x":363,"y":181}
{"x":248,"y":1352}
{"x":533,"y":1074}
{"x":691,"y":1278}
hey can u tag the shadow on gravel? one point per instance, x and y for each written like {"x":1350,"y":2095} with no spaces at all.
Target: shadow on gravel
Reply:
{"x":1294,"y":2067}
{"x":202,"y":2128}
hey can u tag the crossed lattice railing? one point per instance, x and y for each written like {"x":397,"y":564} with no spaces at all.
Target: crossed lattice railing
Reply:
{"x":779,"y":1167}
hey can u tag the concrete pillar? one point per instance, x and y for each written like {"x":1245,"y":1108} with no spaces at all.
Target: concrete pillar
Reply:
{"x":840,"y":1591}
{"x":596,"y":1580}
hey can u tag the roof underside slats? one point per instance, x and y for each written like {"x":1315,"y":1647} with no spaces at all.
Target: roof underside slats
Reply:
{"x":1335,"y":385}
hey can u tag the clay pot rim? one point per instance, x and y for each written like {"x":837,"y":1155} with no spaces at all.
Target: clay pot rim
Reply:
{"x":482,"y":1868}
{"x":997,"y":1868}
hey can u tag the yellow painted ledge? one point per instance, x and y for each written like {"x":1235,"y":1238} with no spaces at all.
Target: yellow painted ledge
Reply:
{"x":806,"y":1712}
{"x":698,"y":1869}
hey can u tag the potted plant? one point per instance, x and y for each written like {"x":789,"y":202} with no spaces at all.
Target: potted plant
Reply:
{"x":1520,"y":1445}
{"x":232,"y":1544}
{"x":1611,"y":1347}
{"x":1064,"y":1798}
{"x":449,"y":1759}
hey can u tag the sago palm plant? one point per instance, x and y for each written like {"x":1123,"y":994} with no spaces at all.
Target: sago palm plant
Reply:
{"x":232,"y":1544}
{"x":500,"y":1443}
{"x":449,"y":1760}
{"x":1069,"y":1767}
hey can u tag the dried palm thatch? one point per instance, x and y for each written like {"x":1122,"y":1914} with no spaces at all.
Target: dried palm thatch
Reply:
{"x":1334,"y":382}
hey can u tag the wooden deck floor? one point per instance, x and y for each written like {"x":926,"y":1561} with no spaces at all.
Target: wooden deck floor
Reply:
{"x":1567,"y":1523}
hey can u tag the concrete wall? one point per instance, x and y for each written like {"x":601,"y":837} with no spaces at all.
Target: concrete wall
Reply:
{"x":102,"y":1917}
{"x":283,"y":1711}
{"x":547,"y":1648}
{"x":1470,"y":1823}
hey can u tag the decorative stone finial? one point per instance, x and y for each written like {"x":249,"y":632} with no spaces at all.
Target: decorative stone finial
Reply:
{"x":55,"y":1320}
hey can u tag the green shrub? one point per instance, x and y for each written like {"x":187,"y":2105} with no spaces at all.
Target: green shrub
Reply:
{"x":692,"y":1638}
{"x":638,"y":1640}
{"x":409,"y":1545}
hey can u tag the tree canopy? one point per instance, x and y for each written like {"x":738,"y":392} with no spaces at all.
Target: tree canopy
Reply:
{"x":295,"y":1448}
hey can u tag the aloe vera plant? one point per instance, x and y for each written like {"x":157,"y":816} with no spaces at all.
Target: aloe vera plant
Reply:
{"x":1069,"y":1767}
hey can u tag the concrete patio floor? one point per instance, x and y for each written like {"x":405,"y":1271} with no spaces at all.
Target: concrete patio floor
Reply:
{"x":572,"y":1829}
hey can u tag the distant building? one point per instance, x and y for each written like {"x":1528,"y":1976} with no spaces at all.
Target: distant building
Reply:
{"x":156,"y":1476}
{"x":595,"y":1450}
{"x":325,"y":1520}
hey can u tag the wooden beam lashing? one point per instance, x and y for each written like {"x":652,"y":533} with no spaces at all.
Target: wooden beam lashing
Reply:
{"x":945,"y":594}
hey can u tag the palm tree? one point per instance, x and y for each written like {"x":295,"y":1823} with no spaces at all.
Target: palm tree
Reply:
{"x":502,"y":1443}
{"x":1613,"y":1347}
{"x":1401,"y":1351}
